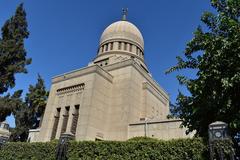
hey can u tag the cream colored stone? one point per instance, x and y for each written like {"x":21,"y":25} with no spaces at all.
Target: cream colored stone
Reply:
{"x":114,"y":93}
{"x":4,"y":130}
{"x":168,"y":129}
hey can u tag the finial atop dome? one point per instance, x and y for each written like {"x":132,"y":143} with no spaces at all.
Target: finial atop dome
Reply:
{"x":124,"y":14}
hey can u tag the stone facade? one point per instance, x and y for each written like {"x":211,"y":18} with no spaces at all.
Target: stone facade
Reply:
{"x":4,"y":130}
{"x":108,"y":99}
{"x":163,"y":129}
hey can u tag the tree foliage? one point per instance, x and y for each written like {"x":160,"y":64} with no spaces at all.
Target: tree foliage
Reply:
{"x":24,"y":119}
{"x":180,"y":149}
{"x":215,"y":54}
{"x":36,"y":99}
{"x":12,"y":52}
{"x":12,"y":58}
{"x":9,"y":103}
{"x":28,"y":115}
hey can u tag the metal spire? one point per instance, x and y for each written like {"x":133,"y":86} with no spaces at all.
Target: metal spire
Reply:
{"x":124,"y":14}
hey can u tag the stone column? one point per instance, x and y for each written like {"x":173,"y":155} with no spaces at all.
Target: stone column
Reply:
{"x":104,"y":48}
{"x":70,"y":119}
{"x":138,"y":52}
{"x":134,"y":49}
{"x":128,"y":47}
{"x":122,"y":46}
{"x":100,"y":50}
{"x":109,"y":47}
{"x":115,"y":46}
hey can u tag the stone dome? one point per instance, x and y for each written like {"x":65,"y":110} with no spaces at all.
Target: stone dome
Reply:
{"x":122,"y":30}
{"x":120,"y":41}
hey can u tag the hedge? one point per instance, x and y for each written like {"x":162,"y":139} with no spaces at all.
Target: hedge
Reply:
{"x":224,"y":146}
{"x":180,"y":149}
{"x":25,"y":151}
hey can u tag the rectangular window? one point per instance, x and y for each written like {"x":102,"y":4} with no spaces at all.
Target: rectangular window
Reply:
{"x":119,"y":45}
{"x":106,"y":48}
{"x":75,"y":119}
{"x":55,"y":124}
{"x":125,"y":46}
{"x":102,"y":48}
{"x":65,"y":119}
{"x":111,"y":46}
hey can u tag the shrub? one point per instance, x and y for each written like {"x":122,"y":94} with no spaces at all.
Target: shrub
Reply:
{"x":180,"y":149}
{"x":140,"y":139}
{"x":136,"y":148}
{"x":28,"y":151}
{"x":224,"y":147}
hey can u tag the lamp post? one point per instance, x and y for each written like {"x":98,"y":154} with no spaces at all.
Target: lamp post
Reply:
{"x":145,"y":128}
{"x":217,"y":131}
{"x":146,"y":120}
{"x":3,"y":140}
{"x":63,"y":145}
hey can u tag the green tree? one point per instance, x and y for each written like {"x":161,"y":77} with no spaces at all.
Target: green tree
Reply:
{"x":24,"y":119}
{"x":12,"y":55}
{"x":9,"y":103}
{"x":29,"y":113}
{"x":36,"y":99}
{"x":215,"y":54}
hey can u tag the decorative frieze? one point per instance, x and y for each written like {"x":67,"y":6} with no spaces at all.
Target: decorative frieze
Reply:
{"x":70,"y":89}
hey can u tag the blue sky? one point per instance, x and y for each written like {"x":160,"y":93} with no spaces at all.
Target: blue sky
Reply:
{"x":64,"y":35}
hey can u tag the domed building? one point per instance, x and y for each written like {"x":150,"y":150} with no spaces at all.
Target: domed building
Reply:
{"x":113,"y":98}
